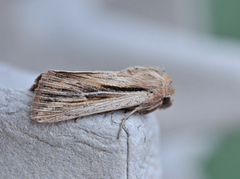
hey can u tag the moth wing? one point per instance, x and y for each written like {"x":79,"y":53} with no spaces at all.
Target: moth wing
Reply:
{"x":60,"y":95}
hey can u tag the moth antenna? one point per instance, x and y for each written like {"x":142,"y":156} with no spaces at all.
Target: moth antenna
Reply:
{"x":124,"y":119}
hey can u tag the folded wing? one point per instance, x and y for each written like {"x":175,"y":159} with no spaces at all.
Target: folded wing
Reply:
{"x":62,"y":95}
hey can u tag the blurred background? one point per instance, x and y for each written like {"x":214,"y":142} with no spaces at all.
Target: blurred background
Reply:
{"x":196,"y":41}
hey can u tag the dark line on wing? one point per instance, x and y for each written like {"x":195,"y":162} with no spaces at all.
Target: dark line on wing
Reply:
{"x":130,"y":89}
{"x":100,"y":77}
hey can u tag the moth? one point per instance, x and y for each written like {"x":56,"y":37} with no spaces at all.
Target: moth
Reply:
{"x":63,"y":95}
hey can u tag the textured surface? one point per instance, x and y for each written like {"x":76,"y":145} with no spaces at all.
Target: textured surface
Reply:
{"x":87,"y":149}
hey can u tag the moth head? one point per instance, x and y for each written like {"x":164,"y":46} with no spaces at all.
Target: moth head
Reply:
{"x":169,"y":91}
{"x":167,"y":100}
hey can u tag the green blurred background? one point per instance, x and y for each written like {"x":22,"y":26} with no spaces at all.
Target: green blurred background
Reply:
{"x":224,"y":163}
{"x":226,"y":18}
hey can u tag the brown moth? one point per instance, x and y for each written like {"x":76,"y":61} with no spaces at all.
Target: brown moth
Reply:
{"x":64,"y":95}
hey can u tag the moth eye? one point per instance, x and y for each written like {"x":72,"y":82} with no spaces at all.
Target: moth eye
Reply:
{"x":166,"y":100}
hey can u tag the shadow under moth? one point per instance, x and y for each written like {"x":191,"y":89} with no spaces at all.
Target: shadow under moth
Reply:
{"x":64,"y":95}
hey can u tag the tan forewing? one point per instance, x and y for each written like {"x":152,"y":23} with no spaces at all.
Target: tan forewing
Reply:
{"x":61,"y":95}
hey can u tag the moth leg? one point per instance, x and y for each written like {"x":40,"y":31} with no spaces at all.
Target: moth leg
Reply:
{"x":124,"y":119}
{"x":76,"y":120}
